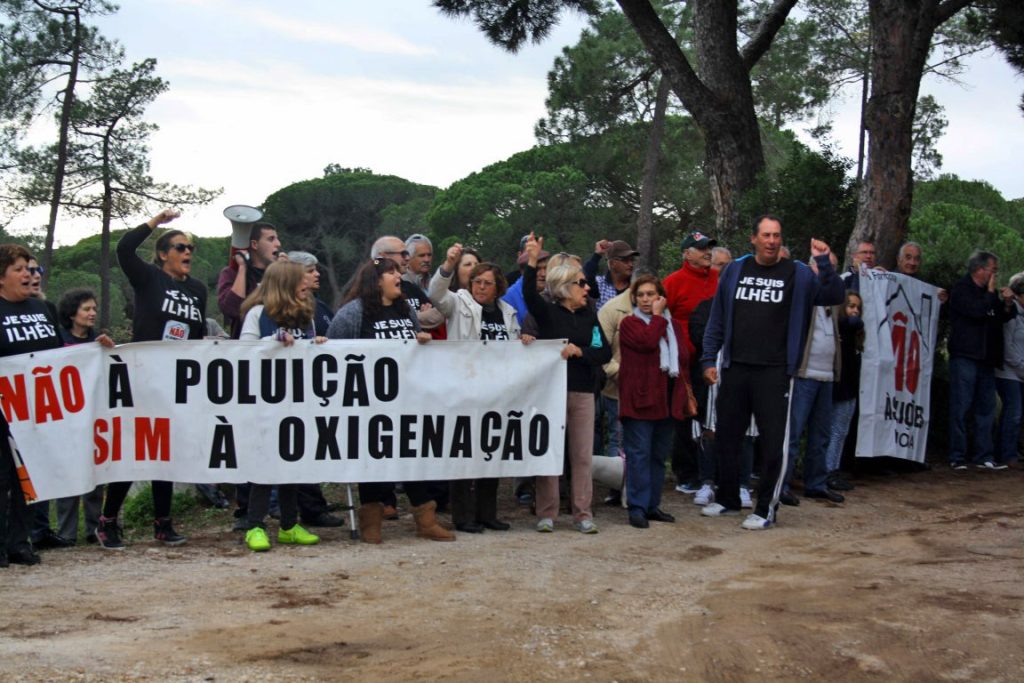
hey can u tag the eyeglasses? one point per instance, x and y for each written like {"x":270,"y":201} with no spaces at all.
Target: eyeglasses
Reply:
{"x":36,"y":270}
{"x":480,"y":282}
{"x":182,"y":248}
{"x":582,"y":282}
{"x":404,"y":253}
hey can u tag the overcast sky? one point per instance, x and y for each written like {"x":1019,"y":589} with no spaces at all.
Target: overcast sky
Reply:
{"x":264,"y":94}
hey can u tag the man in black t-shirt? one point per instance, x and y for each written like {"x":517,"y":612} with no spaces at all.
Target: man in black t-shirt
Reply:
{"x":759,"y":320}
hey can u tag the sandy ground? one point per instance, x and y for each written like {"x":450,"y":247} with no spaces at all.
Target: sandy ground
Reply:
{"x":915,"y":578}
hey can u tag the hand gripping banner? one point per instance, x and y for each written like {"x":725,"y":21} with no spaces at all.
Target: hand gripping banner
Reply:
{"x":344,"y":411}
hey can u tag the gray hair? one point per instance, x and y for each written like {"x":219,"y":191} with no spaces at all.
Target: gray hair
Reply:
{"x":416,"y":238}
{"x":905,"y":245}
{"x":720,"y":250}
{"x":1017,"y":284}
{"x":381,"y":245}
{"x":303,"y":258}
{"x":979,"y":259}
{"x":560,"y":279}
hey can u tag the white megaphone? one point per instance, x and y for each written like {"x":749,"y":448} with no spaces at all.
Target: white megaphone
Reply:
{"x":242,"y":217}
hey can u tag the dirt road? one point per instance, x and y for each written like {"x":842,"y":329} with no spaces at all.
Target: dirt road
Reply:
{"x":917,"y":577}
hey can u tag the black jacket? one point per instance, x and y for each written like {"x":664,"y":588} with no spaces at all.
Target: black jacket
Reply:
{"x":976,"y":318}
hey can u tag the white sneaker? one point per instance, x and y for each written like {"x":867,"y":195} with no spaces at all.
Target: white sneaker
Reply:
{"x":705,"y":496}
{"x":989,"y":465}
{"x":716,"y":510}
{"x":755,"y":523}
{"x":745,"y":501}
{"x":546,"y":525}
{"x":586,"y":526}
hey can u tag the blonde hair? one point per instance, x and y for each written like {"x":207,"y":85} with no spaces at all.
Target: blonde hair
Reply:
{"x":278,"y":294}
{"x":561,"y":278}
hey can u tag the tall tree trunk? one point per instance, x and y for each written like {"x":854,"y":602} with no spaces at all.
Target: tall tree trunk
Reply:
{"x":107,"y":210}
{"x":901,"y":37}
{"x":645,"y":221}
{"x":721,"y":99}
{"x":62,"y":141}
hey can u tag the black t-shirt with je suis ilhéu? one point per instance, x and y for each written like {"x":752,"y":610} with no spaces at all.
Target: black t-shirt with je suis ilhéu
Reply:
{"x":763,"y":298}
{"x":27,"y":326}
{"x":492,"y":323}
{"x":390,"y":323}
{"x":165,"y":308}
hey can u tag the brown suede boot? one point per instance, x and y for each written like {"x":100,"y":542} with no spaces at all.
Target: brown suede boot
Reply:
{"x":371,"y":516}
{"x":427,"y":525}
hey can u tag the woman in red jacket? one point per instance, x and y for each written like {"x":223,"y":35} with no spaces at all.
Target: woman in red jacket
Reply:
{"x":653,"y":389}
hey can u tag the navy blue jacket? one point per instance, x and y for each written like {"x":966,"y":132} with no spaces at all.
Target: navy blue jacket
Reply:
{"x":827,"y":289}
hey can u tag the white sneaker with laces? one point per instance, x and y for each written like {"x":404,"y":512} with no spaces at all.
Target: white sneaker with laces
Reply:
{"x":716,"y":510}
{"x":705,"y":496}
{"x":755,"y":523}
{"x":745,"y":501}
{"x":546,"y":525}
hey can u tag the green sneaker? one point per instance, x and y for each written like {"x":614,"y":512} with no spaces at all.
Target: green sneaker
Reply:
{"x":297,"y":535}
{"x":256,"y":539}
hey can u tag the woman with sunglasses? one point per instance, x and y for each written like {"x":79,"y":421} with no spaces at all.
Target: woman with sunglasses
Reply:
{"x":569,"y":316}
{"x":376,"y":309}
{"x":475,"y":311}
{"x":280,"y":309}
{"x":170,"y":305}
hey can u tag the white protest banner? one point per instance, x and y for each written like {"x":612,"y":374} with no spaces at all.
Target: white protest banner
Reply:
{"x":901,"y":322}
{"x":344,"y":411}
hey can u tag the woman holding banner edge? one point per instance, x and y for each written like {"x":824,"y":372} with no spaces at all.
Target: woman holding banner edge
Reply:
{"x":376,"y":309}
{"x":29,"y":328}
{"x":170,"y":305}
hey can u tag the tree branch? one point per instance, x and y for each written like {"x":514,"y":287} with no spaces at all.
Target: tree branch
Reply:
{"x":947,"y":9}
{"x":762,"y":39}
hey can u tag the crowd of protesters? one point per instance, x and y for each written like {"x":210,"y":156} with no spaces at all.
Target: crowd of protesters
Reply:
{"x":716,"y":371}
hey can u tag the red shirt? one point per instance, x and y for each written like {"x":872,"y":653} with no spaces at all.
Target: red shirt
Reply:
{"x":686,"y":288}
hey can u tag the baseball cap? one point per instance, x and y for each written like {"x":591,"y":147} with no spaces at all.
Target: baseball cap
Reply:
{"x":620,"y":249}
{"x":699,"y":240}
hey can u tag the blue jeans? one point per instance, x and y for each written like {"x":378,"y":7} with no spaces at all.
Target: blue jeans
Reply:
{"x":609,"y":408}
{"x":842,"y":415}
{"x":648,"y":444}
{"x":810,"y":407}
{"x":1009,"y":422}
{"x":971,"y":389}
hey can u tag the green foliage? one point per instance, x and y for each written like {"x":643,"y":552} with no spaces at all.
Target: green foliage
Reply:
{"x":339,"y":216}
{"x":953,"y":217}
{"x":929,"y":125}
{"x":813,"y":196}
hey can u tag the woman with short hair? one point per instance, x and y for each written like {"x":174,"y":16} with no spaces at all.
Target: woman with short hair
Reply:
{"x":654,"y":391}
{"x":569,"y":316}
{"x":28,"y":327}
{"x":376,"y":309}
{"x":474,"y":312}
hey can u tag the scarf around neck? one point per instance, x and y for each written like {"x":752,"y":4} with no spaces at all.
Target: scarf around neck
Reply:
{"x":668,"y":347}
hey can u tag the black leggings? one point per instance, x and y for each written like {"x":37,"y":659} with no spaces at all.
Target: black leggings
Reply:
{"x":118,"y":491}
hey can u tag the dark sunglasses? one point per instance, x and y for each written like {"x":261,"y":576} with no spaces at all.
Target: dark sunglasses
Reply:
{"x":182,"y":248}
{"x":36,"y":270}
{"x":582,"y":282}
{"x":404,"y":253}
